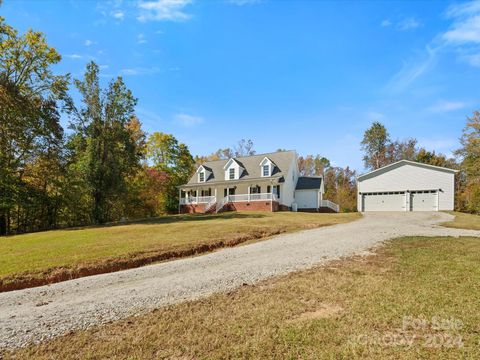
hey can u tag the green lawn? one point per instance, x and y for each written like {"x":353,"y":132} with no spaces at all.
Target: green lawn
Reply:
{"x":416,"y":298}
{"x":38,"y":255}
{"x":464,"y":221}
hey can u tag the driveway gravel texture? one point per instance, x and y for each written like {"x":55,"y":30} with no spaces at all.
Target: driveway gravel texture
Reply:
{"x":37,"y":314}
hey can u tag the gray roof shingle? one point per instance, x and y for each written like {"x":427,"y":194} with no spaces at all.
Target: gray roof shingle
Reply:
{"x":309,"y":183}
{"x":251,"y":165}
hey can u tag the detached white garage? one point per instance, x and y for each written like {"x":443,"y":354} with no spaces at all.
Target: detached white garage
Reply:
{"x":407,"y":186}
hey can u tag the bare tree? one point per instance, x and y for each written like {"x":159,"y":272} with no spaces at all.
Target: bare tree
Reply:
{"x":244,"y":148}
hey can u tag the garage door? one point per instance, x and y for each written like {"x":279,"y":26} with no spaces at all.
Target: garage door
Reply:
{"x":384,"y":201}
{"x":423,"y":200}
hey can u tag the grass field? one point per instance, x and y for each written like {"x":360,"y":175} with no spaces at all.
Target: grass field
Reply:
{"x":415,"y":298}
{"x":70,"y":253}
{"x":464,"y":221}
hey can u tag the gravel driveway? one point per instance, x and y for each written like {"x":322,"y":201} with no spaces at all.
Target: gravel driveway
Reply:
{"x":40,"y":313}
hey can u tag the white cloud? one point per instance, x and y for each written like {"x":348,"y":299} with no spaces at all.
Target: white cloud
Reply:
{"x":89,"y":42}
{"x":408,"y":24}
{"x":465,"y":9}
{"x":446,"y":106}
{"x":463,"y":34}
{"x":163,"y":10}
{"x":111,"y":8}
{"x":386,"y":23}
{"x":466,"y":24}
{"x":80,"y":57}
{"x":412,"y":70}
{"x":465,"y":31}
{"x":404,"y":24}
{"x":141,"y":39}
{"x":118,"y":14}
{"x":139,"y":71}
{"x":463,"y":37}
{"x":74,"y":56}
{"x":188,"y":120}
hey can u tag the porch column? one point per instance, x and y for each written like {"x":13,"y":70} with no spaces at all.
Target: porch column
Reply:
{"x":271,"y":195}
{"x":179,"y":200}
{"x":248,"y":193}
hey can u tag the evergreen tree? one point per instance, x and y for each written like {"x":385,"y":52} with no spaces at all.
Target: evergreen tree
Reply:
{"x":103,"y":144}
{"x":375,"y":144}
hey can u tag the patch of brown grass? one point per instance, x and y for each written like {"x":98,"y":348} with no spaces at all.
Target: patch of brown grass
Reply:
{"x":463,"y":221}
{"x":316,"y":314}
{"x":325,"y":311}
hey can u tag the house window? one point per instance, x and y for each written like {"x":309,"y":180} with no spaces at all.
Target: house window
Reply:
{"x":266,"y":170}
{"x":228,"y":191}
{"x":255,"y":190}
{"x":231,"y":173}
{"x":201,"y":177}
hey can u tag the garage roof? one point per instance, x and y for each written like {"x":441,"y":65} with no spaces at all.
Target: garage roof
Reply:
{"x":401,"y":163}
{"x":309,"y":183}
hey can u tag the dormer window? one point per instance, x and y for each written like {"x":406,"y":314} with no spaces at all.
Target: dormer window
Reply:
{"x":266,"y":170}
{"x":266,"y":167}
{"x":203,"y":173}
{"x":233,"y":170}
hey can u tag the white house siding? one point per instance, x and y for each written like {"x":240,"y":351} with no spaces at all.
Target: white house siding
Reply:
{"x":289,"y":185}
{"x":307,"y":199}
{"x":410,"y":177}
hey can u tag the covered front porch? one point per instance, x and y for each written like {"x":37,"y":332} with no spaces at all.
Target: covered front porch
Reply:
{"x":260,"y":195}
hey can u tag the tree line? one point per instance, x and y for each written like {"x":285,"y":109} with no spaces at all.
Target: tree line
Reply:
{"x":104,"y":168}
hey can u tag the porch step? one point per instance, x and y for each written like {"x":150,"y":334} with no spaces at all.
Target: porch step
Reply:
{"x":211,"y":209}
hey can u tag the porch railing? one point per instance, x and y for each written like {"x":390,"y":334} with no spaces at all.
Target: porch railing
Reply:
{"x":197,"y":200}
{"x":251,"y":197}
{"x":330,"y":204}
{"x":245,"y":198}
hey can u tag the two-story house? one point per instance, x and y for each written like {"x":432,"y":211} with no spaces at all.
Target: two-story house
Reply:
{"x":268,"y":182}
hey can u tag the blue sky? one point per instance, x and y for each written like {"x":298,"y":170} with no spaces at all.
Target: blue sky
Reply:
{"x":304,"y":75}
